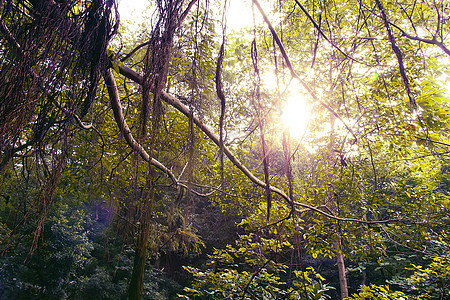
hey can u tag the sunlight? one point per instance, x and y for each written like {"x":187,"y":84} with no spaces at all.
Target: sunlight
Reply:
{"x":240,"y":14}
{"x":443,"y":79}
{"x":132,"y":10}
{"x":295,"y":114}
{"x":294,"y":111}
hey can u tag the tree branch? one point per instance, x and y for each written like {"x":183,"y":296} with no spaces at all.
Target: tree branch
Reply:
{"x":399,"y":56}
{"x":433,"y":41}
{"x":185,"y":13}
{"x":322,"y":34}
{"x":294,"y":74}
{"x":127,"y":56}
{"x":171,"y":100}
{"x":125,"y":130}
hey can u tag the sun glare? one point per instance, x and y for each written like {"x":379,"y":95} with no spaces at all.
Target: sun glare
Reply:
{"x":240,"y":14}
{"x":295,"y":115}
{"x":294,"y":112}
{"x":293,"y":108}
{"x":132,"y":11}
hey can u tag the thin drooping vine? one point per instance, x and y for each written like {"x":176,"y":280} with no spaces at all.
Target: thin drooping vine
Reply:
{"x":68,"y":43}
{"x":259,"y":115}
{"x":52,"y":59}
{"x":220,"y":93}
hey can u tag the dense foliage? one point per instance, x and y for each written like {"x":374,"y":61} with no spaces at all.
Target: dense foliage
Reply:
{"x":163,"y":161}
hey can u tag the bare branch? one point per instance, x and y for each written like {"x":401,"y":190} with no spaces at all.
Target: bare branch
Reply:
{"x":127,"y":56}
{"x":185,"y":13}
{"x":195,"y":192}
{"x":10,"y":38}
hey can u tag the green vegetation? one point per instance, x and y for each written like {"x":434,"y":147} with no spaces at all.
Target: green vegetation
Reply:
{"x":302,"y":157}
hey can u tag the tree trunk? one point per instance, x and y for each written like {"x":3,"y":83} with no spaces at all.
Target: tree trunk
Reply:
{"x":337,"y":237}
{"x":137,"y":278}
{"x":136,"y":287}
{"x":364,"y":280}
{"x":341,"y":267}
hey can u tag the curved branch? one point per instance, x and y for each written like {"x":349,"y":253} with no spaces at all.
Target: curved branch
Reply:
{"x":185,"y":13}
{"x":127,"y":56}
{"x":433,"y":41}
{"x":237,"y":163}
{"x":129,"y":73}
{"x":125,"y":130}
{"x":195,"y":192}
{"x":169,"y":99}
{"x":69,"y":113}
{"x":216,"y":189}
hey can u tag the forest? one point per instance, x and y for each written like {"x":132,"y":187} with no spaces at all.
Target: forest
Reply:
{"x":301,"y":155}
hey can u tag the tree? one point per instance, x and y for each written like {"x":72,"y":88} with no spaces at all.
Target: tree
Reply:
{"x":168,"y":104}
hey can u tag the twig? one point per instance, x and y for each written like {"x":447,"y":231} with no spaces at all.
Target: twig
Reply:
{"x":256,"y":273}
{"x":325,"y":37}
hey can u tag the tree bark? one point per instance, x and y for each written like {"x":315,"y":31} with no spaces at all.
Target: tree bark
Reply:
{"x":337,"y":242}
{"x":136,"y":287}
{"x":174,"y":102}
{"x":341,"y":267}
